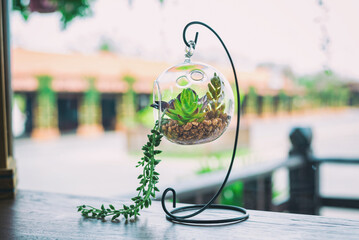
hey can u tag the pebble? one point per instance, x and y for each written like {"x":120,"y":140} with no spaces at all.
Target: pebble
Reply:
{"x":207,"y":122}
{"x":187,"y":127}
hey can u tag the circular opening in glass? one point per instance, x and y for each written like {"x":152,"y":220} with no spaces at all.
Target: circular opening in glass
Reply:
{"x":182,"y":82}
{"x":197,"y":75}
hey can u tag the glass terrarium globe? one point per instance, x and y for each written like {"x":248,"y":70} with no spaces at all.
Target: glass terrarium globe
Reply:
{"x":193,"y":103}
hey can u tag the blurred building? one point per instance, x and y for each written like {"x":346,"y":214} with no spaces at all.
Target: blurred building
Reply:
{"x":88,"y":94}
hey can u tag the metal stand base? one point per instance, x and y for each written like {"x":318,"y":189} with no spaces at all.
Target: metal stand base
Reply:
{"x":243,"y":216}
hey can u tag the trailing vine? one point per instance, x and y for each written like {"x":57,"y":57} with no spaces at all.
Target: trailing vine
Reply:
{"x":147,"y":189}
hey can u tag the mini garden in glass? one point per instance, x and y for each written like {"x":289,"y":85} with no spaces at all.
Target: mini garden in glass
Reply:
{"x":194,"y":103}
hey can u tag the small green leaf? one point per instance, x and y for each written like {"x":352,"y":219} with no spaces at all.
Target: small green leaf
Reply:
{"x":157,"y":152}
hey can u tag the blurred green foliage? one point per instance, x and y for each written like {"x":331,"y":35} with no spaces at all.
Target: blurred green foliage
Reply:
{"x":46,"y":110}
{"x":325,"y":89}
{"x":251,"y":100}
{"x":106,"y":46}
{"x":128,"y":108}
{"x":90,"y":110}
{"x":69,"y":9}
{"x":233,"y":194}
{"x":145,"y":117}
{"x":20,"y":101}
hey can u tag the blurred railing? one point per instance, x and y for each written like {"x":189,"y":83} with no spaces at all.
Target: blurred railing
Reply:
{"x":303,"y":168}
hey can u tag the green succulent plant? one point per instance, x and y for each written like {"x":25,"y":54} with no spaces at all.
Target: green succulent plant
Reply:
{"x":215,"y":95}
{"x":186,"y":108}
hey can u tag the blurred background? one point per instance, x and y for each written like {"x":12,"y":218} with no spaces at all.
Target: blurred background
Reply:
{"x":82,"y":76}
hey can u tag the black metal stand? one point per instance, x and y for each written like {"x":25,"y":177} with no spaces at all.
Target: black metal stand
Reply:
{"x":198,"y":208}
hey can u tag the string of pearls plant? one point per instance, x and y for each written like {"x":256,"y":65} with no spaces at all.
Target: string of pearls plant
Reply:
{"x":147,"y":189}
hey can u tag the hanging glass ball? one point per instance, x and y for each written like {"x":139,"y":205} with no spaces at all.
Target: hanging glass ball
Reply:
{"x":193,"y":102}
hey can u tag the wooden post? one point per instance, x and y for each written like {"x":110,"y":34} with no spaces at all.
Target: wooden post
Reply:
{"x":257,"y":193}
{"x":250,"y":190}
{"x":267,"y":193}
{"x":303,"y":181}
{"x":7,"y":162}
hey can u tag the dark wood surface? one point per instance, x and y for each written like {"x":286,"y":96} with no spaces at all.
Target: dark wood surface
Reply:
{"x":36,"y":215}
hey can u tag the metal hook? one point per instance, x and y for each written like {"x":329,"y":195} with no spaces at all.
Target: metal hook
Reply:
{"x":190,"y":50}
{"x":184,"y":36}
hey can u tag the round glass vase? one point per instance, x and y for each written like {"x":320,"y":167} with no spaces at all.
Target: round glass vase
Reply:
{"x":193,"y":103}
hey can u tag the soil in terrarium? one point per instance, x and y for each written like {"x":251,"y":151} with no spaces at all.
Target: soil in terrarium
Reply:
{"x":196,"y":132}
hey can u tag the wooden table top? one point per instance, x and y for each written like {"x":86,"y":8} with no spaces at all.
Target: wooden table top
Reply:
{"x":37,"y":215}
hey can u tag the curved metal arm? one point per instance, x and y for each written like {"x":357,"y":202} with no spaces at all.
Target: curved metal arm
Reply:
{"x":170,"y":215}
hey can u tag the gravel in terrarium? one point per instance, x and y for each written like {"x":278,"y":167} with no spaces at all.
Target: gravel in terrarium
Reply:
{"x":196,"y":132}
